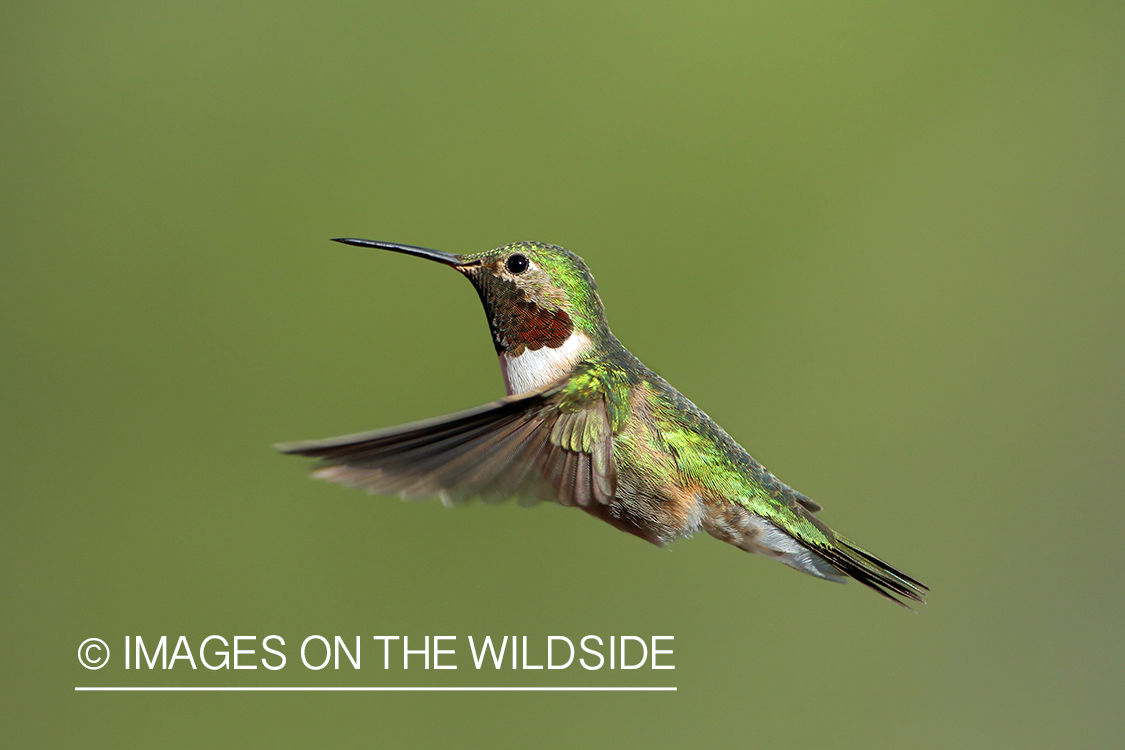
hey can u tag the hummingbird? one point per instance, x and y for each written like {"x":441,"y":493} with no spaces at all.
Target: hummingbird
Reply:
{"x":585,"y":424}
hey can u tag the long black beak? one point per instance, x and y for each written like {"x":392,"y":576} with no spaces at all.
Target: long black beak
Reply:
{"x":448,"y":259}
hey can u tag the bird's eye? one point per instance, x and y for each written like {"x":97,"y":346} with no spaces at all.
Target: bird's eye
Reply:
{"x":516,"y":263}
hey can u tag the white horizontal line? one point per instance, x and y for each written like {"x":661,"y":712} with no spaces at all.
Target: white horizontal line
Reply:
{"x":381,"y":689}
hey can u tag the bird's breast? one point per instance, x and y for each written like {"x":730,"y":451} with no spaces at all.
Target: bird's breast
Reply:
{"x":535,"y":368}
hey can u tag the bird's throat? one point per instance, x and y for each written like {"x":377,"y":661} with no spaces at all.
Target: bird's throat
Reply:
{"x":518,"y":323}
{"x":524,"y":326}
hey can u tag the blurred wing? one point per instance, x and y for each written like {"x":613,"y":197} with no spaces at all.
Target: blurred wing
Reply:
{"x":528,"y":446}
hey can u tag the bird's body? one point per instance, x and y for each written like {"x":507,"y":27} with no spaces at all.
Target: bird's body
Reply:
{"x":586,"y":424}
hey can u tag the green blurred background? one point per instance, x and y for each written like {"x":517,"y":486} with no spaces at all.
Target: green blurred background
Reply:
{"x":879,"y":242}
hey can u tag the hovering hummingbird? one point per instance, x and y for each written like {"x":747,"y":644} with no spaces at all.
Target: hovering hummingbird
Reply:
{"x":586,"y":424}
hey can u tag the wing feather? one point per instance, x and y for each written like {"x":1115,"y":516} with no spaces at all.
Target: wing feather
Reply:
{"x":536,"y":446}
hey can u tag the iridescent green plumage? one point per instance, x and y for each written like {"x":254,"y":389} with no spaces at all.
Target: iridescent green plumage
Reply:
{"x":586,"y":424}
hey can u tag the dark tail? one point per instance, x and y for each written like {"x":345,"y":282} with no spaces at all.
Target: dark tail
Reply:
{"x":869,"y":570}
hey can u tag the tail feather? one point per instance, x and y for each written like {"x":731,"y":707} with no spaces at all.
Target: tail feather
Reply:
{"x":869,"y":570}
{"x":806,"y":544}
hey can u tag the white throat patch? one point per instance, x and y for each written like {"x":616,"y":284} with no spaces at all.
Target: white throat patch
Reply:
{"x":536,"y":368}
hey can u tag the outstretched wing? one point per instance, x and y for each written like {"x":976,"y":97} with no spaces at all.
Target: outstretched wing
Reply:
{"x":544,"y":445}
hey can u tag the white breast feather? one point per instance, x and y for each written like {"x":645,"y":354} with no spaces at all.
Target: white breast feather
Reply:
{"x":536,"y":368}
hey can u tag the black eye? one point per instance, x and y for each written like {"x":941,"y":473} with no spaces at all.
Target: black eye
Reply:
{"x":516,"y":263}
